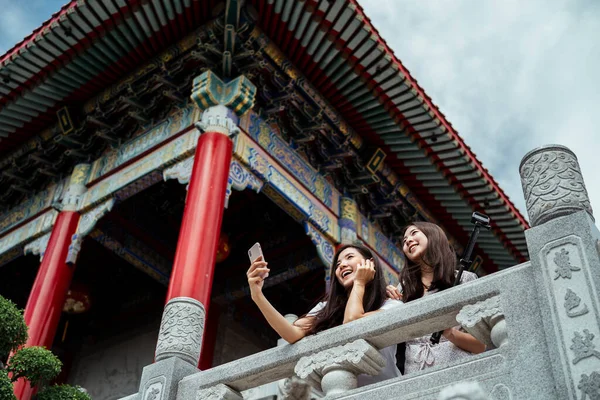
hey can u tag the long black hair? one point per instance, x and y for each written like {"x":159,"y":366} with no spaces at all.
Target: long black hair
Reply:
{"x":439,"y":255}
{"x":336,"y":297}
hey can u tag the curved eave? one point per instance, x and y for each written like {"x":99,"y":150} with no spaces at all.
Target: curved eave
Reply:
{"x":337,"y":48}
{"x":87,"y":46}
{"x":82,"y":49}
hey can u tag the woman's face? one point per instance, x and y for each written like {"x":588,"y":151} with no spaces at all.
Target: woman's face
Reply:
{"x":414,"y":244}
{"x":345,"y":269}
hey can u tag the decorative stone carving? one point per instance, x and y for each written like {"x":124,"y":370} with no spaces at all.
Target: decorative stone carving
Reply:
{"x":154,"y":389}
{"x":552,"y":184}
{"x":463,"y":391}
{"x":500,"y":392}
{"x":590,"y":386}
{"x":294,"y":388}
{"x":86,"y":224}
{"x":572,"y":302}
{"x":570,"y":329}
{"x":181,"y":330}
{"x":38,"y":246}
{"x":182,"y":171}
{"x":485,"y":321}
{"x":563,"y":265}
{"x":583,"y":347}
{"x":219,"y":392}
{"x":334,"y":370}
{"x":76,"y":188}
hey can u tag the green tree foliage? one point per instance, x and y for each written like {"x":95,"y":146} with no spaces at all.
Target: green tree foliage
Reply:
{"x":6,"y":387}
{"x":36,"y":364}
{"x":63,"y":392}
{"x":13,"y":331}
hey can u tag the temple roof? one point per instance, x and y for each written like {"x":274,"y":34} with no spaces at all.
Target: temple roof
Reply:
{"x":87,"y":46}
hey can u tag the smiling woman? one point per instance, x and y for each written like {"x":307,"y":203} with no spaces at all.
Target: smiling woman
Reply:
{"x":357,"y":291}
{"x":430,"y":267}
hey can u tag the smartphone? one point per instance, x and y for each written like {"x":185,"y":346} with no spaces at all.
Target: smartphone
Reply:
{"x":255,"y":252}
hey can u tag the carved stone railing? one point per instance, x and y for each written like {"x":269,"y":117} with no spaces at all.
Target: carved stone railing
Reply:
{"x":317,"y":357}
{"x":539,"y":320}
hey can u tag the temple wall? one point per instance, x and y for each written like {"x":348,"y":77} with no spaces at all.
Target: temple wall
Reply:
{"x":113,"y":369}
{"x":234,"y":341}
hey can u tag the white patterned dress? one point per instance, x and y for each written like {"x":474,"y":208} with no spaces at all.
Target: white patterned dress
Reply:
{"x":421,"y":354}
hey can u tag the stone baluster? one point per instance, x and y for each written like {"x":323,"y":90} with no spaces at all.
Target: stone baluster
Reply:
{"x":485,"y":321}
{"x":562,"y":246}
{"x":292,"y":388}
{"x":335,"y":370}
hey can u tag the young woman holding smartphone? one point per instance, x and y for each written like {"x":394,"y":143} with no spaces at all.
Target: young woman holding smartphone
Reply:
{"x":357,"y":291}
{"x":430,"y":267}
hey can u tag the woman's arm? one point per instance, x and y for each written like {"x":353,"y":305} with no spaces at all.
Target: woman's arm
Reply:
{"x":291,"y":333}
{"x":354,"y":307}
{"x":464,"y":341}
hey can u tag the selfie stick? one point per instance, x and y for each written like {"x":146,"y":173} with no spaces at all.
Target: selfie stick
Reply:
{"x":480,"y":221}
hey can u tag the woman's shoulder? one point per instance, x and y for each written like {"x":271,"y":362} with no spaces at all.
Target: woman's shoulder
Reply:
{"x":468,"y":276}
{"x":320,"y":305}
{"x":390,"y":303}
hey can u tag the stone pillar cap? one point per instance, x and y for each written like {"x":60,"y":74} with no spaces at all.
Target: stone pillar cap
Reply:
{"x":545,"y":148}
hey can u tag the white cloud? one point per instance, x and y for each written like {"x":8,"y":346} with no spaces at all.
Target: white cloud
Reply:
{"x":15,"y":24}
{"x":509,"y":75}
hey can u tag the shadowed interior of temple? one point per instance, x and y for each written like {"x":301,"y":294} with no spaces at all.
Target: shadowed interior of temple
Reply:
{"x":119,"y":287}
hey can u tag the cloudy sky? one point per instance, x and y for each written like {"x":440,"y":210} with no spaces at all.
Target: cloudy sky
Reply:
{"x":510,"y":75}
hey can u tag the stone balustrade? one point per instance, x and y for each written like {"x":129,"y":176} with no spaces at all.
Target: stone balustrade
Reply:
{"x":539,"y":321}
{"x":345,"y":351}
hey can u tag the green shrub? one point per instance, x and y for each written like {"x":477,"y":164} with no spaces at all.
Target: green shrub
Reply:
{"x":37,"y":364}
{"x":6,"y":387}
{"x":62,"y":392}
{"x":13,"y":331}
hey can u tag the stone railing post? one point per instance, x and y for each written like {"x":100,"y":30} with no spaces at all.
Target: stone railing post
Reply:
{"x":485,"y":321}
{"x":177,"y":350}
{"x":563,"y":248}
{"x":334,"y":371}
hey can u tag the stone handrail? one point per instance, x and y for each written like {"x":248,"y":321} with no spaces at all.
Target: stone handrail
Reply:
{"x":408,"y":321}
{"x":539,"y":320}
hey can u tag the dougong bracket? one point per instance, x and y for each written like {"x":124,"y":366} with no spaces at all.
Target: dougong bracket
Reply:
{"x":222,"y":103}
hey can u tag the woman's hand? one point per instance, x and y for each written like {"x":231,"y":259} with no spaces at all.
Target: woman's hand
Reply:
{"x":393,"y":292}
{"x":464,"y":340}
{"x":365,"y":272}
{"x":257,"y":274}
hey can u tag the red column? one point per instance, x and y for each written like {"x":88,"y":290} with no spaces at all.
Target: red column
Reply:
{"x":47,"y":296}
{"x":194,"y":264}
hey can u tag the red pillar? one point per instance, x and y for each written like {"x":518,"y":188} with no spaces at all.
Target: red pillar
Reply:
{"x":195,"y":258}
{"x":47,"y":296}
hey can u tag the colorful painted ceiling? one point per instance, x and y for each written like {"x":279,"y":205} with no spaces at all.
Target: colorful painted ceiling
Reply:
{"x":323,"y":68}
